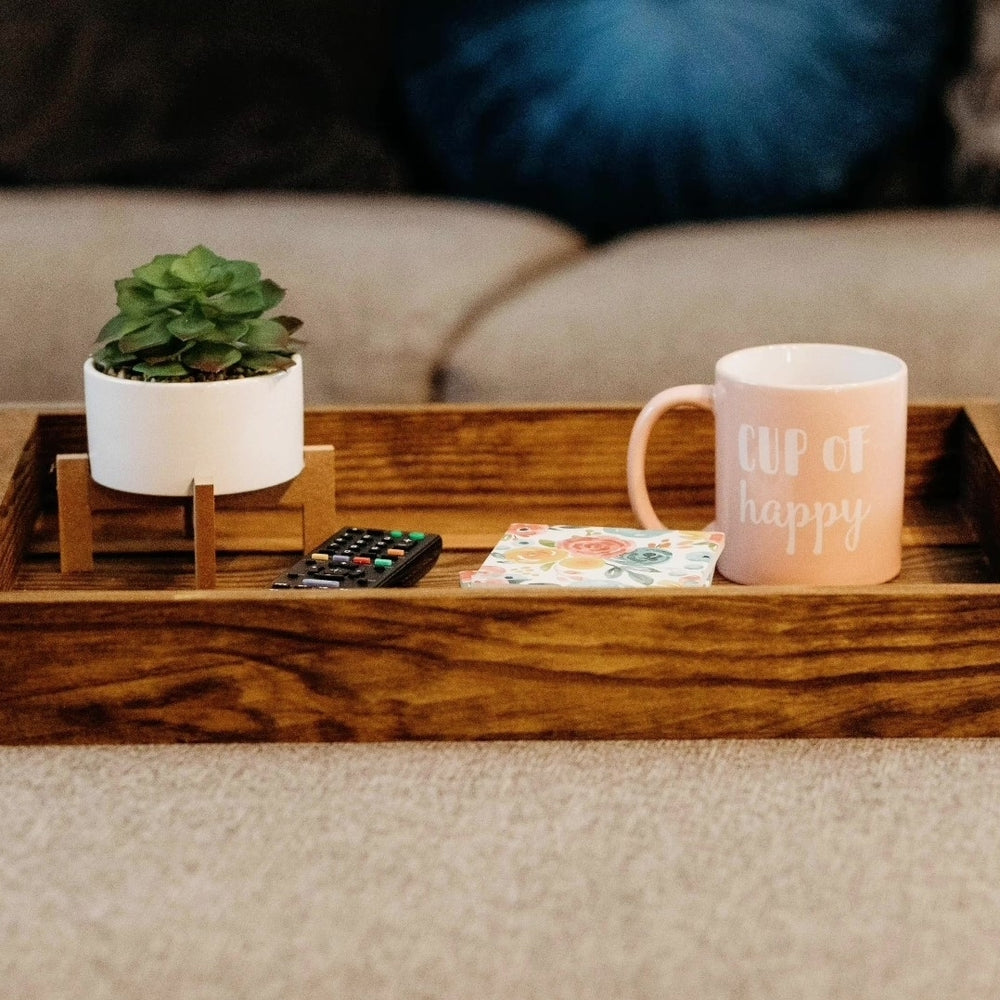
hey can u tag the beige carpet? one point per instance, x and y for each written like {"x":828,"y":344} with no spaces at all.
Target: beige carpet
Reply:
{"x":845,"y":869}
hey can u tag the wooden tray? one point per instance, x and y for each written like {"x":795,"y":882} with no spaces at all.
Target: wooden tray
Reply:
{"x":132,"y":653}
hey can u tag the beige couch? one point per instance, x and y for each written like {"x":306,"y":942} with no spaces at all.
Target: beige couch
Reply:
{"x":411,"y":299}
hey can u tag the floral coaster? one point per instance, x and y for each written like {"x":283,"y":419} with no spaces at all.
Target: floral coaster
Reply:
{"x":565,"y":556}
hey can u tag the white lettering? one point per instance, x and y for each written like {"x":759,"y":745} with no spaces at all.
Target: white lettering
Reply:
{"x":768,"y":450}
{"x":837,"y":450}
{"x":744,"y":445}
{"x":857,"y":437}
{"x":767,"y":442}
{"x":795,"y":517}
{"x":834,"y":453}
{"x":826,"y":517}
{"x":853,"y":536}
{"x":795,"y":448}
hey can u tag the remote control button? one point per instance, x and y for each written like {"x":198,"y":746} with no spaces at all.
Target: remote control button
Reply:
{"x":382,"y":563}
{"x":320,"y":583}
{"x":361,"y":561}
{"x":417,"y":536}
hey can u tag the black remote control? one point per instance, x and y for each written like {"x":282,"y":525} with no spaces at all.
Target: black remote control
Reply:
{"x":356,"y":558}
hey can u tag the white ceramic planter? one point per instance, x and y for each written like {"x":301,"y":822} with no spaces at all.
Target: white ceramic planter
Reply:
{"x":159,"y":438}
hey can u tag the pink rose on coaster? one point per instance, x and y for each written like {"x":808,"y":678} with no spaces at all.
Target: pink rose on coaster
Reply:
{"x":527,"y":530}
{"x":603,"y":546}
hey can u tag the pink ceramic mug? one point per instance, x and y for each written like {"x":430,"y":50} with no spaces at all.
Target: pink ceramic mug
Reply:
{"x":810,"y":455}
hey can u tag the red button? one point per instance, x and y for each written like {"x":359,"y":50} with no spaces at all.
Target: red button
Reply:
{"x":361,"y":561}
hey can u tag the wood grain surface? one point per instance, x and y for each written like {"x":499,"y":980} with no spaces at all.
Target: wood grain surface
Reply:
{"x":441,"y":664}
{"x":20,"y":486}
{"x":129,"y":654}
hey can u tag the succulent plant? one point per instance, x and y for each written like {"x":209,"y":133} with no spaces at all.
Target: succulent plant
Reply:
{"x":195,"y":317}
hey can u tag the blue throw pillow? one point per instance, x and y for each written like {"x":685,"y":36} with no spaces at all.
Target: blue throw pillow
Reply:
{"x":617,"y":114}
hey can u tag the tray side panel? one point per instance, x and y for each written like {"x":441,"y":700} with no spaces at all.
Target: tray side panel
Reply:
{"x":980,"y":491}
{"x":437,"y":664}
{"x":20,"y":486}
{"x":456,"y":456}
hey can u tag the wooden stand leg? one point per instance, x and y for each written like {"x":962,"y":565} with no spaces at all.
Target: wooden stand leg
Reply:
{"x":203,"y":514}
{"x":76,"y":520}
{"x":318,"y":497}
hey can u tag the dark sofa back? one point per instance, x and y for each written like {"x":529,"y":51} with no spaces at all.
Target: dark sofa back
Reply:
{"x":193,"y":93}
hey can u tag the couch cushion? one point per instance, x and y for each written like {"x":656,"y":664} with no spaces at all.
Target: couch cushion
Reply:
{"x":658,"y":308}
{"x":383,"y":284}
{"x":615,"y":116}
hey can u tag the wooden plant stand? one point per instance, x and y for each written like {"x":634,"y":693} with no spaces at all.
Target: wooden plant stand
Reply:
{"x":312,"y":491}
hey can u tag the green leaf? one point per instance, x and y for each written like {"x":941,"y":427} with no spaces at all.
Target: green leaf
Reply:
{"x":195,"y":267}
{"x":110,"y":356}
{"x":191,"y":326}
{"x":219,"y":279}
{"x":173,"y":296}
{"x":266,"y":335}
{"x":206,"y":356}
{"x":169,"y":369}
{"x":266,"y":361}
{"x":135,"y":298}
{"x":290,"y":323}
{"x":242,"y":274}
{"x":168,"y":353}
{"x":272,"y":294}
{"x":152,"y":336}
{"x":120,"y":325}
{"x":231,"y":331}
{"x":157,"y":272}
{"x":246,"y":302}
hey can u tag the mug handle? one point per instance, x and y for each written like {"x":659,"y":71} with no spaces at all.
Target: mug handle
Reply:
{"x":700,"y":396}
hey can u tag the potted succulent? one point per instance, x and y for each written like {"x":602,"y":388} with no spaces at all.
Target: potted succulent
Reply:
{"x":191,"y":382}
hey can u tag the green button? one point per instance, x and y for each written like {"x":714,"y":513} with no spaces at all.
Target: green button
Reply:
{"x":396,"y":534}
{"x":417,"y":535}
{"x":383,"y":562}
